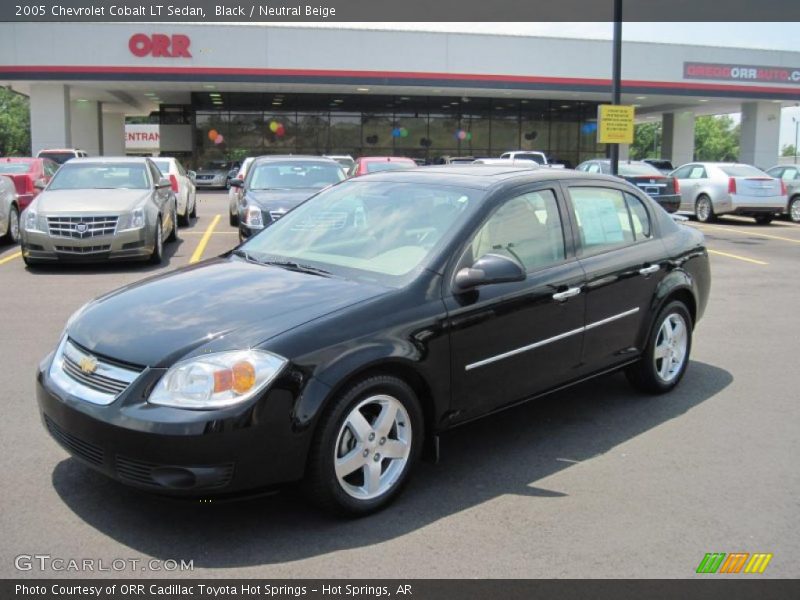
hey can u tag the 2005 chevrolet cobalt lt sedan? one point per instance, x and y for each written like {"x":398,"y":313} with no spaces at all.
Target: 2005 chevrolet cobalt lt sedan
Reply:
{"x":335,"y":345}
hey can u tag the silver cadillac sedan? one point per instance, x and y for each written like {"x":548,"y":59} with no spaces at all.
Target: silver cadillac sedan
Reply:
{"x":95,"y":209}
{"x":709,"y":190}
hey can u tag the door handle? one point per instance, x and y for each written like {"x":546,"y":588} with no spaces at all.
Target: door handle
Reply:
{"x":649,"y":270}
{"x":560,"y":296}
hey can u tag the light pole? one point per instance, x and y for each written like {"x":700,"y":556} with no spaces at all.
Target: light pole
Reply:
{"x":796,"y":131}
{"x":616,"y":72}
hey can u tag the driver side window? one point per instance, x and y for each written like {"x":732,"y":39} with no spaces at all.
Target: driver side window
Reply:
{"x":527,"y":228}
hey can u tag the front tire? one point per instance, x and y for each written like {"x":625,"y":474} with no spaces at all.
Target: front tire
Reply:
{"x":158,"y":247}
{"x":173,"y":234}
{"x":666,"y":356}
{"x":704,"y":210}
{"x":12,"y":233}
{"x":365,"y":447}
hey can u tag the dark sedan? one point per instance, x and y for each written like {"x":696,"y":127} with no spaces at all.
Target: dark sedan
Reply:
{"x":276,"y":184}
{"x":663,"y":189}
{"x":336,"y":345}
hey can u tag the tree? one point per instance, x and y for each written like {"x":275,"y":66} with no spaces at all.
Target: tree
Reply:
{"x":788,"y":150}
{"x":646,"y":141}
{"x":15,"y":124}
{"x":716,"y":138}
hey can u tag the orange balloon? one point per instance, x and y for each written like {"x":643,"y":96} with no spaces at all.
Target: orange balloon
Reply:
{"x":212,"y":134}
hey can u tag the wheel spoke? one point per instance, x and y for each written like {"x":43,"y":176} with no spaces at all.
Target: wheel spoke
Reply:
{"x":385,"y":420}
{"x":372,"y":477}
{"x":394,"y":449}
{"x":359,"y":426}
{"x":661,"y":351}
{"x":350,"y":463}
{"x":666,"y":365}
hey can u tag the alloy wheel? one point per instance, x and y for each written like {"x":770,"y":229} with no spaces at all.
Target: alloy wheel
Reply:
{"x":373,"y":447}
{"x":671,"y":348}
{"x":703,"y":209}
{"x":13,"y":225}
{"x":794,"y":210}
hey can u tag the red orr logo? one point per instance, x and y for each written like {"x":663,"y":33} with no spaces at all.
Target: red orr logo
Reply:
{"x":158,"y":44}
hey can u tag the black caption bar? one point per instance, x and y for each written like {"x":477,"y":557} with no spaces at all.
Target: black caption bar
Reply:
{"x":266,"y":11}
{"x":426,"y":589}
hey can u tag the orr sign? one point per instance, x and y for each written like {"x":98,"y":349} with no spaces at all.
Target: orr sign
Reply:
{"x":160,"y":45}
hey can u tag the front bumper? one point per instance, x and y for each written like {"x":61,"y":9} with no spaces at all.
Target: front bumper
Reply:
{"x":217,"y":182}
{"x":173,"y":451}
{"x":131,"y":244}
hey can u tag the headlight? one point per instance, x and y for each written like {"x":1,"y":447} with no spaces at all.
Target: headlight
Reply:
{"x":217,"y":380}
{"x":33,"y":222}
{"x":253,"y":217}
{"x":131,"y":220}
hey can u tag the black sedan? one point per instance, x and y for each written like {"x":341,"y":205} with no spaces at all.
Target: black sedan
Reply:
{"x":337,"y":344}
{"x":276,"y":184}
{"x":662,"y":188}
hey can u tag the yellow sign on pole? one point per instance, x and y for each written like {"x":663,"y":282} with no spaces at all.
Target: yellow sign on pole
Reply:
{"x":614,"y":124}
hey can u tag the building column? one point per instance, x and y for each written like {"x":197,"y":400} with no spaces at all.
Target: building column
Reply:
{"x":113,"y":134}
{"x":87,"y":125}
{"x":677,"y":142}
{"x":51,"y":117}
{"x":760,"y":134}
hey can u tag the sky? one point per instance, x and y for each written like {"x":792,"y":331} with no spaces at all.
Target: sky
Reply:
{"x":762,"y":36}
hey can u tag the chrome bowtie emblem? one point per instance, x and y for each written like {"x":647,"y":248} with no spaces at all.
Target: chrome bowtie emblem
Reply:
{"x":88,"y":364}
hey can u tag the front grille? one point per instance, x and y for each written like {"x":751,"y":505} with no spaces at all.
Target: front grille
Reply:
{"x":81,"y":227}
{"x":83,"y":249}
{"x":141,"y":472}
{"x":98,"y":374}
{"x":88,"y":452}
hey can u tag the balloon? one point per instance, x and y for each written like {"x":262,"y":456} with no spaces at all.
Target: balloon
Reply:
{"x":403,"y":132}
{"x":396,"y":132}
{"x":212,"y":134}
{"x":469,"y":135}
{"x":219,"y":139}
{"x":280,"y":131}
{"x":273,"y":126}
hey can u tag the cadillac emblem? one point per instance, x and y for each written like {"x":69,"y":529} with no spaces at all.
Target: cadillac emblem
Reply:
{"x":88,"y":364}
{"x":81,"y":227}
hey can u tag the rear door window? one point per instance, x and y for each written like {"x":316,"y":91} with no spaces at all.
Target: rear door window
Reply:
{"x":603,"y":219}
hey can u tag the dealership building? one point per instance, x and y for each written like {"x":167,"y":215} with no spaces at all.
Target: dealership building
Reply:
{"x":228,"y":91}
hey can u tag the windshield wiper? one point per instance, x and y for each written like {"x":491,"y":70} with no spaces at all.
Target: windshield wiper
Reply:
{"x":291,"y":265}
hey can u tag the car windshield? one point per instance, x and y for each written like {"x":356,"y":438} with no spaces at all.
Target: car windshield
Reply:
{"x":375,"y":166}
{"x":11,"y":168}
{"x":743,"y":171}
{"x":378,"y":231}
{"x":163,"y":166}
{"x":96,"y":176}
{"x":217,"y":165}
{"x":631,"y":170}
{"x":293,"y":175}
{"x":59,"y":157}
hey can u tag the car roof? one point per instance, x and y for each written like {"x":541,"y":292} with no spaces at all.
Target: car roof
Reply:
{"x":21,"y":159}
{"x":481,"y":176}
{"x":622,"y":162}
{"x":293,"y":158}
{"x":384,"y":158}
{"x":60,"y":150}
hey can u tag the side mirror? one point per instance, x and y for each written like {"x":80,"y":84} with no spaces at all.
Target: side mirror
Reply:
{"x":40,"y":184}
{"x":487,"y":270}
{"x":192,"y":175}
{"x":163,"y":182}
{"x":237,"y":183}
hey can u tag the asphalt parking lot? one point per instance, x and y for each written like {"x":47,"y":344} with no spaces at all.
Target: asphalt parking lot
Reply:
{"x":598,"y":481}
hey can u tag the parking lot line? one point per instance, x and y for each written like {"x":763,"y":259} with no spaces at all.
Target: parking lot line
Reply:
{"x":749,"y":232}
{"x":737,"y":257}
{"x":198,"y":252}
{"x":10,"y":257}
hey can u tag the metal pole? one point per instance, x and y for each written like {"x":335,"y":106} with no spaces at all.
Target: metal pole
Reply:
{"x":616,"y":70}
{"x":796,"y":131}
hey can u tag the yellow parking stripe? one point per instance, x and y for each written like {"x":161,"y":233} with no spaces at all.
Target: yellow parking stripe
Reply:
{"x":10,"y":257}
{"x":737,"y":257}
{"x":198,"y":252}
{"x":749,"y":232}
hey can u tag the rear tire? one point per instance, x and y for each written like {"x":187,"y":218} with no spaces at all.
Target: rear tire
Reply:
{"x":375,"y":455}
{"x":763,"y":219}
{"x":666,"y":356}
{"x":793,"y":210}
{"x":193,"y":214}
{"x":704,"y":209}
{"x":234,"y":220}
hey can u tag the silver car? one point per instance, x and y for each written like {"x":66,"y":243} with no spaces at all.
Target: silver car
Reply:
{"x":9,"y":211}
{"x":710,"y":189}
{"x":790,"y":175}
{"x":182,"y":182}
{"x":95,"y":209}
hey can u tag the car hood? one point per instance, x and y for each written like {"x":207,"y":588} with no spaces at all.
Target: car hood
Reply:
{"x":89,"y":201}
{"x":280,"y":199}
{"x":223,"y":304}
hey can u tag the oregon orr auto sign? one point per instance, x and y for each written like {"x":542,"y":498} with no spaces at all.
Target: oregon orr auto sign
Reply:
{"x":755,"y":73}
{"x":160,"y":45}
